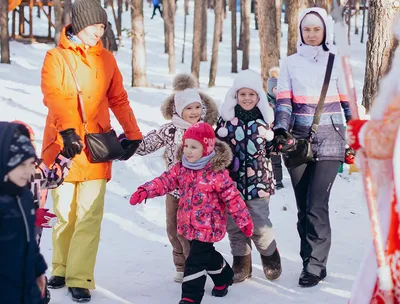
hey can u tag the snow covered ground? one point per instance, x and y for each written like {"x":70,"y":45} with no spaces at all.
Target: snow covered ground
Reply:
{"x":135,"y":259}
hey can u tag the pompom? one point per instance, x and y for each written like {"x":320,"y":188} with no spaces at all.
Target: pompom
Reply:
{"x":269,"y":135}
{"x":222,"y":132}
{"x":184,"y":81}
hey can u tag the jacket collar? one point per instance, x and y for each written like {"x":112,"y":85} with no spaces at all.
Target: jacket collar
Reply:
{"x":66,"y":43}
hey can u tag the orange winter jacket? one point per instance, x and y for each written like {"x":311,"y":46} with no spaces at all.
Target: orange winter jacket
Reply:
{"x":102,"y":87}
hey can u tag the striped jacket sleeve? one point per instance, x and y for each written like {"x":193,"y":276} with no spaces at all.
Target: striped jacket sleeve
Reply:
{"x":283,"y":110}
{"x":343,"y":95}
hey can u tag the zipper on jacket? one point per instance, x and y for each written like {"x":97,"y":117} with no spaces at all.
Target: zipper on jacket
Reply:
{"x":25,"y":220}
{"x":246,"y":192}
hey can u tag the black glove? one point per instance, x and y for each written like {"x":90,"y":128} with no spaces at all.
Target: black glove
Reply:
{"x":72,"y":143}
{"x":284,"y":141}
{"x":130,"y":147}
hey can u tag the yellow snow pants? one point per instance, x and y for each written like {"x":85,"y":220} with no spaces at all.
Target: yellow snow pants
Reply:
{"x":79,"y":207}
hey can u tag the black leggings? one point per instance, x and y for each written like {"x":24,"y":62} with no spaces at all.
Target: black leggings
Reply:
{"x":312,"y":184}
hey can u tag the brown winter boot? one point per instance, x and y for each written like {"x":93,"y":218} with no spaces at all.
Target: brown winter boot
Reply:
{"x":242,"y":268}
{"x":272,"y":265}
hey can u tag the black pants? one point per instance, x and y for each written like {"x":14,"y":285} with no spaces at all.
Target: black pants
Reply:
{"x":154,"y":10}
{"x":277,"y":166}
{"x":312,"y":184}
{"x":203,"y":259}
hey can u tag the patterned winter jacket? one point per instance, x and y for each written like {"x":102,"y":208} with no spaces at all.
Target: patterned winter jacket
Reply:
{"x":205,"y":197}
{"x":299,"y":86}
{"x":251,"y":168}
{"x":48,"y":178}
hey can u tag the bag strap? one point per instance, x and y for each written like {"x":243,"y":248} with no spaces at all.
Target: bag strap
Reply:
{"x":327,"y":79}
{"x":78,"y":88}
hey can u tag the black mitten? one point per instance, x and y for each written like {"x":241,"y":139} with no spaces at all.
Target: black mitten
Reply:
{"x":284,"y":141}
{"x":130,"y":147}
{"x":72,"y":143}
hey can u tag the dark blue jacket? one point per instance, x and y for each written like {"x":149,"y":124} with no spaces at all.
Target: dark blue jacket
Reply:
{"x":20,"y":260}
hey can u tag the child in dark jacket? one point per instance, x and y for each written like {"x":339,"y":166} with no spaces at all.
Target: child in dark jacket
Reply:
{"x":245,"y":123}
{"x":22,"y":267}
{"x":41,"y":181}
{"x":207,"y":193}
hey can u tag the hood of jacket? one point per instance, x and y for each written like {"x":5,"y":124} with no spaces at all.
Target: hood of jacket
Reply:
{"x":313,"y":51}
{"x":186,"y":81}
{"x":221,"y":160}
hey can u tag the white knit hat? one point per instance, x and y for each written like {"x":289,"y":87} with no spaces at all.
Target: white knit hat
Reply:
{"x":251,"y":80}
{"x":312,"y":19}
{"x":185,"y":98}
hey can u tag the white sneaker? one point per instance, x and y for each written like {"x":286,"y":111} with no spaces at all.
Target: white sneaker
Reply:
{"x":178,"y":277}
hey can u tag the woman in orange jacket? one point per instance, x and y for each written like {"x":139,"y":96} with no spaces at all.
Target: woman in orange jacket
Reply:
{"x":79,"y":202}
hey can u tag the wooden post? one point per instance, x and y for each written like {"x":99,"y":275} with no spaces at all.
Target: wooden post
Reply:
{"x":31,"y":19}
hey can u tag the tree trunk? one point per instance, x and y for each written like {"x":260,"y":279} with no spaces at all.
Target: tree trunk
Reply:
{"x":234,"y":36}
{"x":210,"y":4}
{"x":139,"y":78}
{"x":120,"y":5}
{"x":240,"y":47}
{"x":126,"y":5}
{"x":286,"y":11}
{"x":218,"y":10}
{"x":357,"y":14}
{"x":196,"y":49}
{"x":322,"y":3}
{"x":187,"y":7}
{"x":184,"y":29}
{"x":225,"y":12}
{"x":278,"y":10}
{"x":268,"y":34}
{"x":293,"y":8}
{"x":203,"y":56}
{"x":4,"y":35}
{"x":58,"y":15}
{"x":255,"y":3}
{"x":380,"y":47}
{"x":246,"y":34}
{"x":67,"y":12}
{"x":165,"y":16}
{"x":363,"y":21}
{"x":171,"y":36}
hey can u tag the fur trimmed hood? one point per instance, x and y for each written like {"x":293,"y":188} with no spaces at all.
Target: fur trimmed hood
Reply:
{"x":222,"y":159}
{"x":251,"y":80}
{"x":185,"y":81}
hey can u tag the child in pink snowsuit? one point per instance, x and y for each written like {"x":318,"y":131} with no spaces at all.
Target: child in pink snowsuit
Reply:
{"x":207,"y":193}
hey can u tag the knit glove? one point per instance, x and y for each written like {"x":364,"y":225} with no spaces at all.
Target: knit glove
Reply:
{"x":284,"y":141}
{"x":44,"y":218}
{"x":353,"y":130}
{"x":72,"y":143}
{"x":248,"y":229}
{"x":139,"y":196}
{"x":129,"y":146}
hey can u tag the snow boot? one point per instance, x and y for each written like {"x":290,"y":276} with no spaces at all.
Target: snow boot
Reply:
{"x":56,"y":282}
{"x":186,"y":301}
{"x":272,"y":265}
{"x":241,"y":268}
{"x":309,"y":280}
{"x":47,"y":296}
{"x":279,"y":185}
{"x":80,"y":295}
{"x":221,"y":291}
